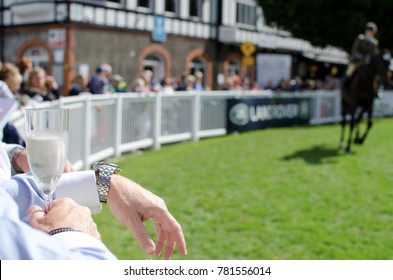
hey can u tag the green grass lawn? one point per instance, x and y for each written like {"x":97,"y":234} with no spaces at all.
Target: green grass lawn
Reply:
{"x":284,"y":193}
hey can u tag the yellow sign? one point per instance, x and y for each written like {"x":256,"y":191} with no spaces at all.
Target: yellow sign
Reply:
{"x":248,"y":48}
{"x":248,"y":61}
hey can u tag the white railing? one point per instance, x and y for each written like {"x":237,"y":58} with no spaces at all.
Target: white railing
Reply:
{"x":103,"y":126}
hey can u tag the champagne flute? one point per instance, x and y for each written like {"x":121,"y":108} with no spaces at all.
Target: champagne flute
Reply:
{"x":46,"y":144}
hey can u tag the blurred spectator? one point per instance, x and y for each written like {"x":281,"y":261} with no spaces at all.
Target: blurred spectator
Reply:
{"x":296,"y":84}
{"x":269,"y":85}
{"x":283,"y":85}
{"x":245,"y":84}
{"x":79,"y":85}
{"x":150,"y":84}
{"x":190,"y":80}
{"x":40,"y":86}
{"x":167,"y":86}
{"x":10,"y":81}
{"x":255,"y":86}
{"x":228,"y":83}
{"x":198,"y":84}
{"x":118,"y":83}
{"x":147,"y":76}
{"x":182,"y":86}
{"x":9,"y":74}
{"x":25,"y":66}
{"x":99,"y":83}
{"x":311,"y":84}
{"x":138,"y":85}
{"x":236,"y":83}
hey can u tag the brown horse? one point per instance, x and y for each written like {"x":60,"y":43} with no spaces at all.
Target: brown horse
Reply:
{"x":358,"y":97}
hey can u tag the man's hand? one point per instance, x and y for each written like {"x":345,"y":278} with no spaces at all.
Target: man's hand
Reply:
{"x":132,"y":205}
{"x":63,"y":213}
{"x":21,"y":163}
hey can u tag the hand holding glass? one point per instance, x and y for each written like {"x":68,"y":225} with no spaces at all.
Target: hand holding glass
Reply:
{"x":46,"y":145}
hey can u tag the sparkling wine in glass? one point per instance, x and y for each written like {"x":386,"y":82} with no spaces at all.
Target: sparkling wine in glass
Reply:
{"x":46,"y":144}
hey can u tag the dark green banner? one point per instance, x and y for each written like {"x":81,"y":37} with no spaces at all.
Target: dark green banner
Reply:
{"x":261,"y":112}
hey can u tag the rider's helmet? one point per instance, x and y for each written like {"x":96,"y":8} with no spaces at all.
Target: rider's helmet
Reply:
{"x":372,"y":26}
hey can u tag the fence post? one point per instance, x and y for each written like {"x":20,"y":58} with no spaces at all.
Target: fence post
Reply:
{"x":157,"y":122}
{"x":338,"y":106}
{"x":87,"y":134}
{"x":318,"y":101}
{"x":118,"y":125}
{"x":196,"y":116}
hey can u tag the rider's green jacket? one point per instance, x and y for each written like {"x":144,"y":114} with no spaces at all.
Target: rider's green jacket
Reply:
{"x":362,"y":48}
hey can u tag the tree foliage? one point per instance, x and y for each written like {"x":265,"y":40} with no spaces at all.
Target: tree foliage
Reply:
{"x":333,"y":22}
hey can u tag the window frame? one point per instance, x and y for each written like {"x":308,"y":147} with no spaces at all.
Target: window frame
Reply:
{"x":176,"y":11}
{"x":199,"y":4}
{"x":246,"y":14}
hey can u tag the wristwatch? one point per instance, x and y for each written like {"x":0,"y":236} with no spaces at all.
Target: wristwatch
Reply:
{"x":104,"y":172}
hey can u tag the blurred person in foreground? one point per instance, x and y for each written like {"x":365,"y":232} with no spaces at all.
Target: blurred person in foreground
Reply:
{"x":10,"y":81}
{"x":67,"y":231}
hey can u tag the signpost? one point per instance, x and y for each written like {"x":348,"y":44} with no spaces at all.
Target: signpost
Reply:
{"x":159,"y":33}
{"x":247,"y":48}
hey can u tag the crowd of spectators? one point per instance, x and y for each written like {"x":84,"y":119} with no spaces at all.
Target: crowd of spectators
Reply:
{"x":32,"y":84}
{"x":103,"y":81}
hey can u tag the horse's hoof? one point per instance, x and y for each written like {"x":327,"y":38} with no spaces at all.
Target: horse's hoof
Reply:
{"x":348,"y":150}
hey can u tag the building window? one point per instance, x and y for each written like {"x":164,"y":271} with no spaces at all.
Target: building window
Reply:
{"x":246,"y":14}
{"x":39,"y":57}
{"x":155,"y":63}
{"x":115,"y":3}
{"x":198,"y":65}
{"x":234,"y":68}
{"x":172,"y":6}
{"x":147,"y":4}
{"x":196,"y":8}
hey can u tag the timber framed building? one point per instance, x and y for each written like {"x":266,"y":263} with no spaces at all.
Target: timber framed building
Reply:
{"x":169,"y":37}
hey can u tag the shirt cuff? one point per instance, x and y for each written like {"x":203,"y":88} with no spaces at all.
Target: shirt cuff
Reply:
{"x":11,"y":150}
{"x":85,"y":244}
{"x":81,"y":187}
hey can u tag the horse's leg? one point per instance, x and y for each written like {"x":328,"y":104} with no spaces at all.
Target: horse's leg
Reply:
{"x":343,"y":124}
{"x":369,"y":125}
{"x":352,"y":125}
{"x":358,"y":121}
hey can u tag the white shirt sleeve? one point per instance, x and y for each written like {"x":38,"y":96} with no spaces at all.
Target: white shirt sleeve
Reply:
{"x":81,"y":187}
{"x":5,"y":166}
{"x":19,"y":241}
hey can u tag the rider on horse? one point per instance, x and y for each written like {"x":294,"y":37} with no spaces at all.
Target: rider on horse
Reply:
{"x":365,"y":45}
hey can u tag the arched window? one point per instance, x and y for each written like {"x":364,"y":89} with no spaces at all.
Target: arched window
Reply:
{"x":198,"y":60}
{"x":155,"y":63}
{"x":39,"y":57}
{"x":234,"y":68}
{"x":198,"y":65}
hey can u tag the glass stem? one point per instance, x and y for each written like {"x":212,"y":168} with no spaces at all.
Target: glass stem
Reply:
{"x":47,"y":202}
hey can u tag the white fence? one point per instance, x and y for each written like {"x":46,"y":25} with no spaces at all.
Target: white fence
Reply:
{"x":103,"y":126}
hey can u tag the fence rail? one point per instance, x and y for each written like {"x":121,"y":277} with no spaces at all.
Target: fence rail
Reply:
{"x":103,"y":126}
